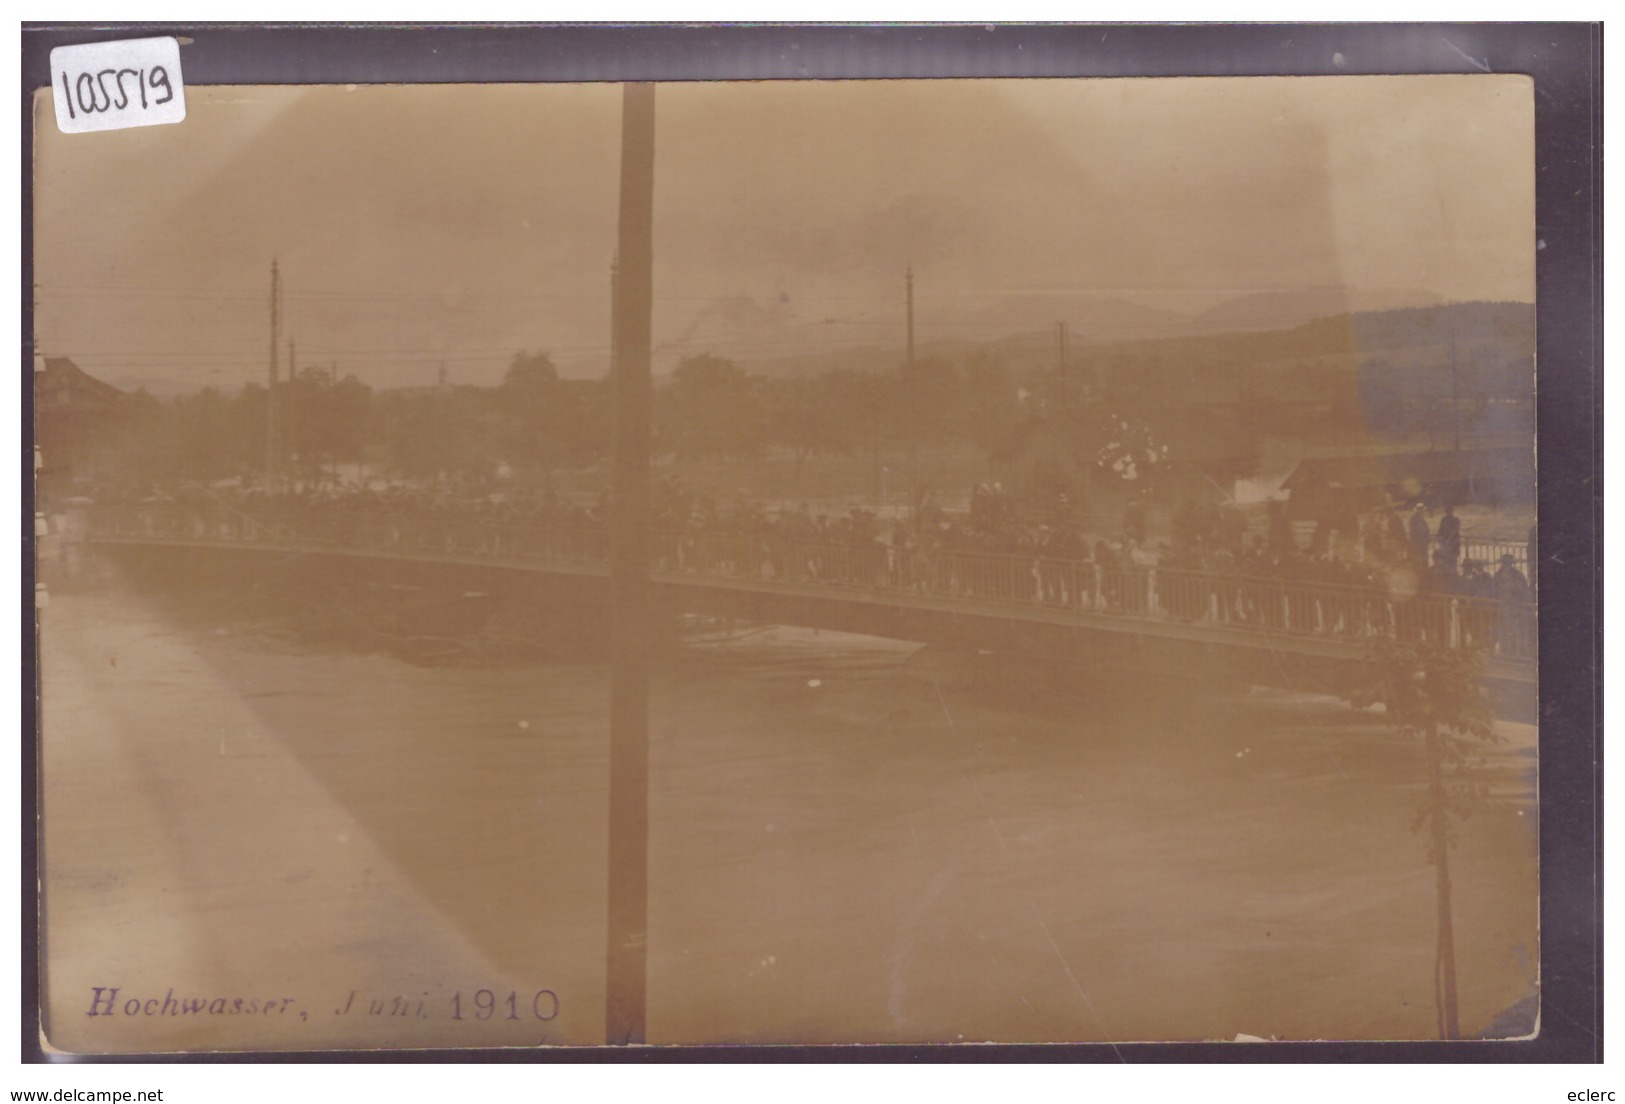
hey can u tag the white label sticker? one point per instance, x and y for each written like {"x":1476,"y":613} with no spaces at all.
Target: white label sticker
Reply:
{"x":112,"y":85}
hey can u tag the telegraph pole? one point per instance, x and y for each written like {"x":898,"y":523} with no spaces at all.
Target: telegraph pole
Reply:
{"x":908,"y":286}
{"x":1455,"y":391}
{"x":290,"y":416}
{"x":614,"y":327}
{"x":626,"y":966}
{"x":1060,"y":364}
{"x":876,"y":484}
{"x":270,"y":396}
{"x":911,"y":387}
{"x":1445,"y":987}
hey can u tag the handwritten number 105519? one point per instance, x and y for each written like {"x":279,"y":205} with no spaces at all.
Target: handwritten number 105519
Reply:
{"x":106,"y":90}
{"x":544,"y":1005}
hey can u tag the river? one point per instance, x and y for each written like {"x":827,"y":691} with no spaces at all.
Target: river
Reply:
{"x":852,"y":840}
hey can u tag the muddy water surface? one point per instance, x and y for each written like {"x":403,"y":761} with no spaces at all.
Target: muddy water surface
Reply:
{"x":851,"y":840}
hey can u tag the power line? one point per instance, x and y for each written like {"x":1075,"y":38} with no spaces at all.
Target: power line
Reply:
{"x":208,"y":292}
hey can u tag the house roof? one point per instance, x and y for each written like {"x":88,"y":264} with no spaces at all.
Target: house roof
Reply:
{"x":69,"y":385}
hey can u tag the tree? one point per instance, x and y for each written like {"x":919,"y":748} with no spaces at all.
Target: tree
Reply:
{"x":326,"y":419}
{"x":1134,"y":451}
{"x":142,"y":437}
{"x":991,"y":405}
{"x":711,"y":407}
{"x":1432,"y":692}
{"x":441,"y":433}
{"x":933,"y":395}
{"x":530,"y":374}
{"x":204,"y":445}
{"x":533,"y":408}
{"x":813,"y":415}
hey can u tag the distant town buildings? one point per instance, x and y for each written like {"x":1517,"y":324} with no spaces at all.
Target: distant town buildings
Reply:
{"x":1501,"y":477}
{"x":74,"y":415}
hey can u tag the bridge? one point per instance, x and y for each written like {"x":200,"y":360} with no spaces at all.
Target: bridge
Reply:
{"x":1267,"y":630}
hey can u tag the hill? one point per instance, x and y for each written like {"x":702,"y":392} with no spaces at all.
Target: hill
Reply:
{"x":1410,"y":338}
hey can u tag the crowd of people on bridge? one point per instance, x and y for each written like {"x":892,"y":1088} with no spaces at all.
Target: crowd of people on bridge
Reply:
{"x":1388,"y":546}
{"x":1214,"y":564}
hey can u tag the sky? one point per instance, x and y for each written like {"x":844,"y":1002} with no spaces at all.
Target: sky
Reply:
{"x":415,"y":225}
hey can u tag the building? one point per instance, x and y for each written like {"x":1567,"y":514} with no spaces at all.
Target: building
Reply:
{"x":75,"y":415}
{"x":1500,"y":477}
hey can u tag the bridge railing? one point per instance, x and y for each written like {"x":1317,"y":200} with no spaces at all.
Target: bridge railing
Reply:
{"x":1489,"y":552}
{"x":1248,"y":603}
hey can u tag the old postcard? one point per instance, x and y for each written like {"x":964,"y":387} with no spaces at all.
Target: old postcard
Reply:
{"x":789,"y":562}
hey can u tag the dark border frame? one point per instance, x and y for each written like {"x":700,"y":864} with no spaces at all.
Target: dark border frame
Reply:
{"x":1565,"y":60}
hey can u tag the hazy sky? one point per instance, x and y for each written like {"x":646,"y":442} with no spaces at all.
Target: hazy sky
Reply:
{"x":419,"y":223}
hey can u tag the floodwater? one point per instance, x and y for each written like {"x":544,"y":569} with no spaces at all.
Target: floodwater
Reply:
{"x":851,"y":840}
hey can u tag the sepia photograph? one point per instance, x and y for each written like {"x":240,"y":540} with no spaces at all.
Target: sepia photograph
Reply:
{"x":789,"y":562}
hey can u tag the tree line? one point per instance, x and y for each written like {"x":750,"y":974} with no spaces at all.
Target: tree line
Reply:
{"x":708,"y":409}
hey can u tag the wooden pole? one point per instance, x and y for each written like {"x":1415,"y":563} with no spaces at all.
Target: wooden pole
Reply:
{"x":290,"y":416}
{"x":911,"y":385}
{"x":614,"y":298}
{"x":631,"y":620}
{"x":1455,"y":393}
{"x":270,"y":395}
{"x":1061,"y":397}
{"x":908,"y":286}
{"x":1441,"y":850}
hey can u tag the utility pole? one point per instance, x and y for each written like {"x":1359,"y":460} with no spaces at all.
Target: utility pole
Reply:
{"x":290,"y":416}
{"x":626,"y":966}
{"x":1445,"y":993}
{"x":908,"y":285}
{"x":910,"y":388}
{"x":1455,"y":391}
{"x":614,"y":292}
{"x":440,"y":423}
{"x":270,"y":395}
{"x":874,"y":435}
{"x":1060,"y":365}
